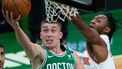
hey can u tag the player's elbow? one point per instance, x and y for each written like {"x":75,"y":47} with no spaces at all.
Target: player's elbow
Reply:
{"x":102,"y":57}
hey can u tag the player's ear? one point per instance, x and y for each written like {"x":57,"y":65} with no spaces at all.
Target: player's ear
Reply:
{"x":107,"y":29}
{"x":61,"y":35}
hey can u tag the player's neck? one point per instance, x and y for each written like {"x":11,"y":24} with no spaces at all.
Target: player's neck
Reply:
{"x":57,"y":50}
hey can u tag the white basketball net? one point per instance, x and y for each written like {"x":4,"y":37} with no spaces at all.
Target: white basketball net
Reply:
{"x":55,"y":11}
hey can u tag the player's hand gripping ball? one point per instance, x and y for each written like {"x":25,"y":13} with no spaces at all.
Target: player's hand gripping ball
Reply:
{"x":18,"y":7}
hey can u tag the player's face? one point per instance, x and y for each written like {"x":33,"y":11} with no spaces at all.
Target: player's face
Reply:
{"x":2,"y":57}
{"x":99,"y":23}
{"x":51,"y":35}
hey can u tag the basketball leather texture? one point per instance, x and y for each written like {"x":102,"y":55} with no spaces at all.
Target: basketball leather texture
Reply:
{"x":18,"y":7}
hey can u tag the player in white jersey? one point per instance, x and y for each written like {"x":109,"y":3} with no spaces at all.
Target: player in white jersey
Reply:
{"x":98,"y":47}
{"x":89,"y":63}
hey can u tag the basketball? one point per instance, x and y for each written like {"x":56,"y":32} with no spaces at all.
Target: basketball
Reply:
{"x":18,"y":7}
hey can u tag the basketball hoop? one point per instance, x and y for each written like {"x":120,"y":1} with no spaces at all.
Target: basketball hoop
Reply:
{"x":55,"y":11}
{"x":62,"y":9}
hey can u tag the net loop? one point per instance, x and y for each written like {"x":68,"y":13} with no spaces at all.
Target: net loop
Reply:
{"x":55,"y":11}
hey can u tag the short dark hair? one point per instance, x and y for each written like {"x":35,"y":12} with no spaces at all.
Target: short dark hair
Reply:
{"x":112,"y":24}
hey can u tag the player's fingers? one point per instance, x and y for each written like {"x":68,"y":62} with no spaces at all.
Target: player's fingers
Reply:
{"x":11,"y":15}
{"x":7,"y":14}
{"x":18,"y":18}
{"x":3,"y":12}
{"x":76,"y":17}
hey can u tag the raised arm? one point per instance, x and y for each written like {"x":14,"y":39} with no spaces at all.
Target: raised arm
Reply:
{"x":32,"y":50}
{"x":92,"y":36}
{"x":88,"y":32}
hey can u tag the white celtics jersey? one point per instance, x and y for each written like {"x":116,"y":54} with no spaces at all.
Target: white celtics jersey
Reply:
{"x":107,"y":64}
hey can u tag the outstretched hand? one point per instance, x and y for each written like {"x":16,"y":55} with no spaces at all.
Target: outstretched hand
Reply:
{"x":76,"y":18}
{"x":9,"y":18}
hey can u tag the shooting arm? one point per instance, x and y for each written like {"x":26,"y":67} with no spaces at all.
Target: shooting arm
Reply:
{"x":32,"y":50}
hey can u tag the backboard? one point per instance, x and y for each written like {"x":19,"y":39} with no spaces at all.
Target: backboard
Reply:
{"x":87,"y":5}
